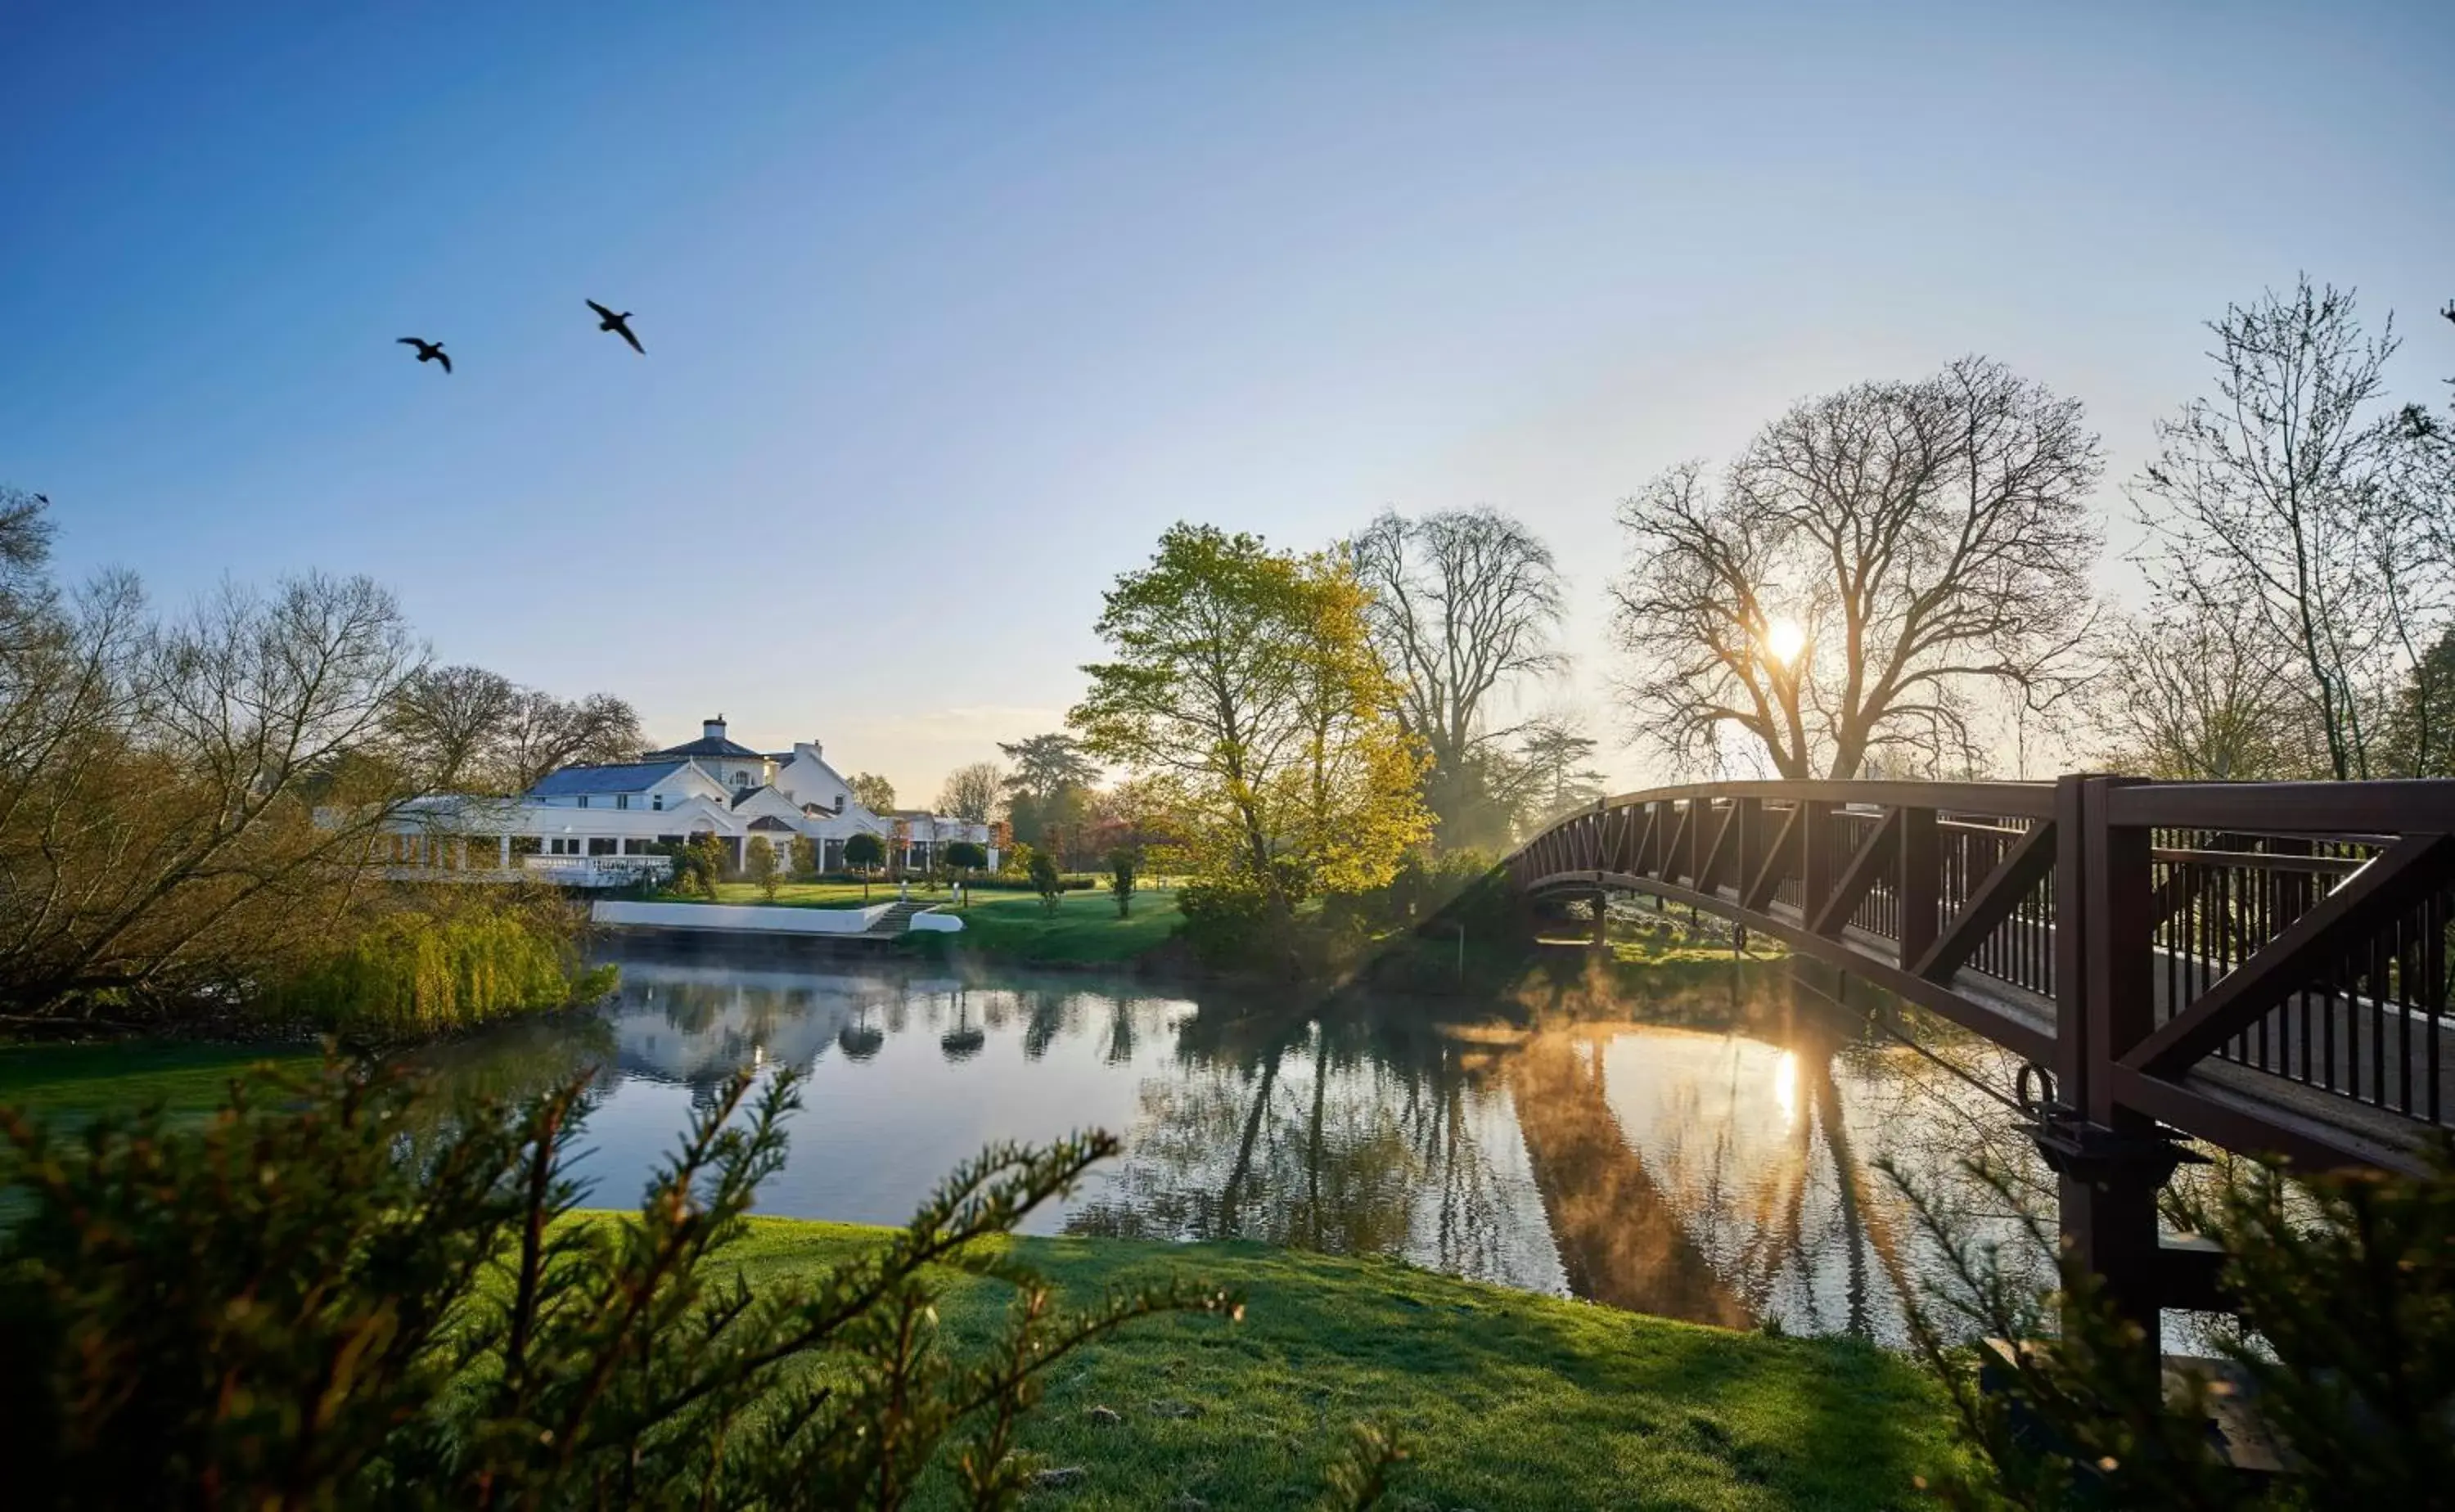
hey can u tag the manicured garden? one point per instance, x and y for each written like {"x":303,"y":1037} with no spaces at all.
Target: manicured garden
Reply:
{"x":1084,"y":929}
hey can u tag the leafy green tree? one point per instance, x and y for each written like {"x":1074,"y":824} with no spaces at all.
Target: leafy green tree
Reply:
{"x":966,"y":857}
{"x":1244,"y":682}
{"x":759,"y":864}
{"x":805,"y":857}
{"x":342,"y":1292}
{"x":1124,"y":862}
{"x":1046,"y":879}
{"x":872,"y":791}
{"x":864,"y":853}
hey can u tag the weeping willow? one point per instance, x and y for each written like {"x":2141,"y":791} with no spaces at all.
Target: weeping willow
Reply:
{"x":416,"y":974}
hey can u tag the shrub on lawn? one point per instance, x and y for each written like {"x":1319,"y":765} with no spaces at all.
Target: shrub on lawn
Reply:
{"x":335,"y":1295}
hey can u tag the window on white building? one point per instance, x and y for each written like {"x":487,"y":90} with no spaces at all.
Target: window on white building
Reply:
{"x":621,"y":801}
{"x":657,"y":800}
{"x":584,"y":801}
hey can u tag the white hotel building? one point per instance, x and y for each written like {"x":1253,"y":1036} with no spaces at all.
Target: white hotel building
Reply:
{"x":597,"y":823}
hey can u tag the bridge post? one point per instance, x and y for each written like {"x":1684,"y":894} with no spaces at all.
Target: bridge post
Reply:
{"x":2110,"y":1160}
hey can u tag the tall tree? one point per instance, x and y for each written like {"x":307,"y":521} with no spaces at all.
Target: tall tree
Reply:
{"x":1557,"y":759}
{"x":1245,"y":679}
{"x":2278,"y":494}
{"x":1873,"y":563}
{"x":466,"y":729}
{"x":971,"y":791}
{"x":1044,"y":763}
{"x":1463,"y":602}
{"x":872,"y":791}
{"x":1049,"y":795}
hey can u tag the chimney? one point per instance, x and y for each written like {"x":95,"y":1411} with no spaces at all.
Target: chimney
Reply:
{"x":712,"y":729}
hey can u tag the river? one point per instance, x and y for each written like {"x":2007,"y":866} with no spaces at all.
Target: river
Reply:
{"x":1703,"y":1147}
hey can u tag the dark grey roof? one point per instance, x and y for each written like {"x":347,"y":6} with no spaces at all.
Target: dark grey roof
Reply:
{"x":741,"y":796}
{"x":709,"y":746}
{"x":628,"y":776}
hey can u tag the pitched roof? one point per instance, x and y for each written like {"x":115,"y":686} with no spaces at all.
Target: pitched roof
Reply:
{"x":708,"y":745}
{"x":627,"y":777}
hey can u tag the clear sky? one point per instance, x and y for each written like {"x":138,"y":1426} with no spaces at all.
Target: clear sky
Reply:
{"x":950,"y":311}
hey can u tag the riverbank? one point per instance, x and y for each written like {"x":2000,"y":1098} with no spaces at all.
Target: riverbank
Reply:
{"x":1504,"y":1398}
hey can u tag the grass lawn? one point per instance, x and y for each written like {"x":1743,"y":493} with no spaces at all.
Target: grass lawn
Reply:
{"x":188,"y":1079}
{"x":1504,"y":1399}
{"x":1014,"y":926}
{"x":795,"y":895}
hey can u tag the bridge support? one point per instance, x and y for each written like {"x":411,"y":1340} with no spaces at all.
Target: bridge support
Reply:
{"x":1602,"y":919}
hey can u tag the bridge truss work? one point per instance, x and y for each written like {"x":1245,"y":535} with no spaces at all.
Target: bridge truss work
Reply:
{"x":2261,"y":966}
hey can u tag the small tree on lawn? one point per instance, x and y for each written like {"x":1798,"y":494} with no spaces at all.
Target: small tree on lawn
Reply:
{"x":759,"y":860}
{"x":805,"y":858}
{"x":1046,"y":879}
{"x":966,"y":857}
{"x":865,"y":851}
{"x":713,"y":860}
{"x":1123,"y":863}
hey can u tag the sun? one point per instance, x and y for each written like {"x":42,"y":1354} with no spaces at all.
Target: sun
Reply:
{"x":1784,"y":638}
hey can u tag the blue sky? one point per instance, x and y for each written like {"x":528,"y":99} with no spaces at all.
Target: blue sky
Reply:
{"x":949,"y":312}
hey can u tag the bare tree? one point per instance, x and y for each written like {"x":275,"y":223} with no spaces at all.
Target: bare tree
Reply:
{"x":545,"y":733}
{"x":466,"y":729}
{"x":971,"y":791}
{"x":1463,"y":602}
{"x":1871,"y":564}
{"x":2281,"y":493}
{"x":188,"y":809}
{"x":447,"y":723}
{"x":2200,"y":693}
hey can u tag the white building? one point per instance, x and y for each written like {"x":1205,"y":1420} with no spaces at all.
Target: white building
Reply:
{"x":580,"y":821}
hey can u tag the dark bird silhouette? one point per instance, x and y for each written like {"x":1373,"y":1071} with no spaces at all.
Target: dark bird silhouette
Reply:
{"x":42,"y":498}
{"x":619,"y":325}
{"x":428,"y":350}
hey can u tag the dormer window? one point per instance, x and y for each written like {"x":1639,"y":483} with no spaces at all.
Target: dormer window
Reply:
{"x":657,"y":800}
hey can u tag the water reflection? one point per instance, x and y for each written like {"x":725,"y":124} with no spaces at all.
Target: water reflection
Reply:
{"x":1706,"y":1152}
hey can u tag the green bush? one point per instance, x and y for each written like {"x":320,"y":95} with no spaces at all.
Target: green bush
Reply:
{"x":360,"y":1302}
{"x":1046,"y":880}
{"x":1225,"y":924}
{"x":416,"y":974}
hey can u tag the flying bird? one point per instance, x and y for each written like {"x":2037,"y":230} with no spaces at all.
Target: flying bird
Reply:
{"x":428,"y":350}
{"x":619,"y":325}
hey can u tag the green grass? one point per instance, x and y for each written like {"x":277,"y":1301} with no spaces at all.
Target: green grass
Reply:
{"x":1504,"y":1399}
{"x":1085,"y":928}
{"x":86,"y":1078}
{"x":795,"y":895}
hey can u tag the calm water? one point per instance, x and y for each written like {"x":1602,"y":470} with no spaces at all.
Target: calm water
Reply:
{"x":1706,"y":1151}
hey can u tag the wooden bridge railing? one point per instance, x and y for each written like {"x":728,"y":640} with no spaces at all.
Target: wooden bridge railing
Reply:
{"x":2265,"y":966}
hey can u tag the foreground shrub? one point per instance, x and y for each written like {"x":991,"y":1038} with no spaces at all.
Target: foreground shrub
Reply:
{"x":360,"y":1301}
{"x":419,"y":973}
{"x":2346,"y":1288}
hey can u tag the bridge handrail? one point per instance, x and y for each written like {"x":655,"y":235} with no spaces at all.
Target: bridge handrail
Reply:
{"x":2023,"y":800}
{"x":2302,"y":932}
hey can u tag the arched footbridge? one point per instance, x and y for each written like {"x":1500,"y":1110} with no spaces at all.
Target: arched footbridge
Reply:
{"x":2261,"y":966}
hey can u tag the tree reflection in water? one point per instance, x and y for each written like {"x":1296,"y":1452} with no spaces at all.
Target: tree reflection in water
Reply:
{"x":1705,"y":1151}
